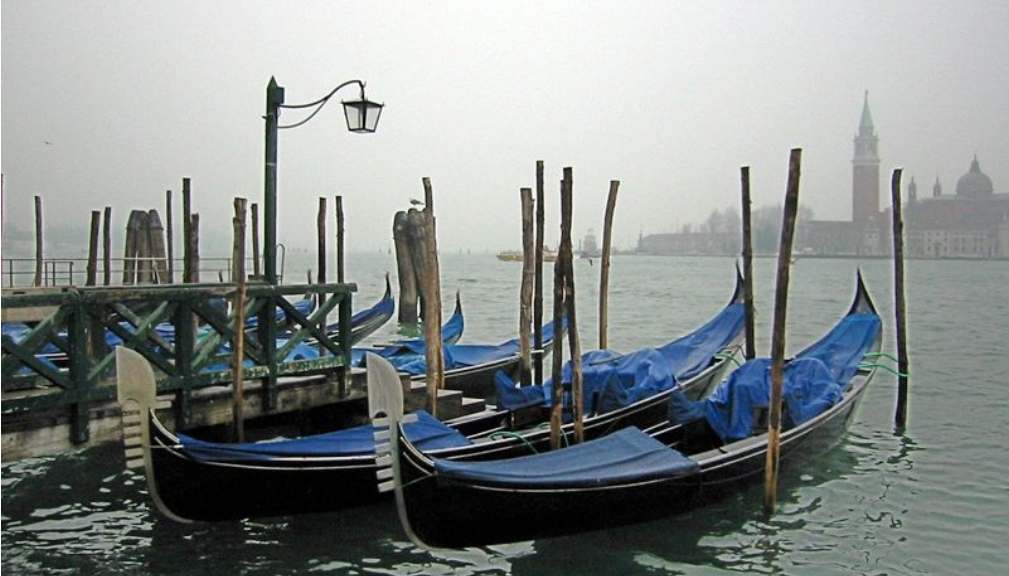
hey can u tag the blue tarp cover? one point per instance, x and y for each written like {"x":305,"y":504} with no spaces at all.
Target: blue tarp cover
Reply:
{"x":426,"y":433}
{"x":813,"y":382}
{"x":626,"y":455}
{"x":611,"y":381}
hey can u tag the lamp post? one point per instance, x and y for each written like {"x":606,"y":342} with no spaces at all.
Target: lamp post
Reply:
{"x":362,"y":117}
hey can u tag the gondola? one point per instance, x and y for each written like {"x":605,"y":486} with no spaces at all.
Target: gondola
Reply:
{"x":189,"y":479}
{"x":631,"y":475}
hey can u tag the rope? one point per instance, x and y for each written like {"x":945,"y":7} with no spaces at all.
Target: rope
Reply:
{"x":881,"y":354}
{"x":508,"y":434}
{"x":884,"y":368}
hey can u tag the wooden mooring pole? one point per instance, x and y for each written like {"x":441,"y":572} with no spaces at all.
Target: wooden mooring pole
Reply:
{"x":604,"y":268}
{"x":194,"y":248}
{"x":238,"y":355}
{"x":526,"y":292}
{"x":432,"y":303}
{"x":750,"y":351}
{"x":107,"y":246}
{"x":557,"y":396}
{"x":900,"y":415}
{"x":169,"y":238}
{"x":407,"y":278}
{"x":96,"y":225}
{"x":339,"y":240}
{"x":567,"y":255}
{"x":538,"y":279}
{"x":255,"y":240}
{"x":320,"y":226}
{"x":187,"y":232}
{"x":778,"y":333}
{"x":38,"y":242}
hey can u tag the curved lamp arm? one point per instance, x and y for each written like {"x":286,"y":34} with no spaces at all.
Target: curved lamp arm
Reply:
{"x":319,"y":103}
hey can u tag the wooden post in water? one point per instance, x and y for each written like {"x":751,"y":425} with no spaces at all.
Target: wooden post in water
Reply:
{"x":156,"y":243}
{"x":320,"y":227}
{"x":194,"y":248}
{"x":238,"y":277}
{"x":567,"y":255}
{"x":751,"y":350}
{"x":339,"y":240}
{"x":130,"y":248}
{"x":900,"y":416}
{"x":107,"y":245}
{"x":187,"y":232}
{"x":432,"y":303}
{"x":169,"y":238}
{"x":526,"y":292}
{"x":143,"y":248}
{"x":418,"y":249}
{"x":38,"y":242}
{"x":405,"y":272}
{"x":538,"y":279}
{"x":96,"y":224}
{"x":604,"y":268}
{"x":557,"y":396}
{"x":778,"y":333}
{"x":255,"y":240}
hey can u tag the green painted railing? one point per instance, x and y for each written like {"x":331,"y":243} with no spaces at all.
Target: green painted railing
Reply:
{"x":81,"y":369}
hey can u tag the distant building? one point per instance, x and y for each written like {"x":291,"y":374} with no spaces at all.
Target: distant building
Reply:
{"x":588,"y":246}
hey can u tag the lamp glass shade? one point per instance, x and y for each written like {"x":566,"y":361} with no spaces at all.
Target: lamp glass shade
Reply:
{"x":362,"y":115}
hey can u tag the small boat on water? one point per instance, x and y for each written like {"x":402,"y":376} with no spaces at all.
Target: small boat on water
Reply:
{"x":516,"y":255}
{"x":703,"y":449}
{"x":191,"y":479}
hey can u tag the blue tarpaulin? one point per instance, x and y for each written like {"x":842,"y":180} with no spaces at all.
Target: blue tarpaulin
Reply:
{"x":813,"y":382}
{"x":426,"y":433}
{"x":628,"y":454}
{"x":611,"y":380}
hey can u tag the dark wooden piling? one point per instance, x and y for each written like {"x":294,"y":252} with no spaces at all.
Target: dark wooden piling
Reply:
{"x":107,"y":246}
{"x":156,"y":245}
{"x":778,"y":333}
{"x":526,"y":291}
{"x":238,"y":277}
{"x":130,"y":248}
{"x":320,"y":229}
{"x":557,"y":397}
{"x":418,"y":249}
{"x":96,"y":224}
{"x":432,"y":303}
{"x":577,"y":397}
{"x":144,"y":268}
{"x":604,"y":268}
{"x":751,"y":350}
{"x":900,"y":415}
{"x":194,"y":248}
{"x":404,"y":266}
{"x":255,"y":240}
{"x":187,"y":232}
{"x":538,"y":279}
{"x":339,"y":240}
{"x":38,"y":242}
{"x":169,"y":238}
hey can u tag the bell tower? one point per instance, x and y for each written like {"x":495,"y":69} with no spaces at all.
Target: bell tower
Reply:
{"x":865,"y":169}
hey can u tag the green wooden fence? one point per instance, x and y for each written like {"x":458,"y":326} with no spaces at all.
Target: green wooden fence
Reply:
{"x":185,"y":332}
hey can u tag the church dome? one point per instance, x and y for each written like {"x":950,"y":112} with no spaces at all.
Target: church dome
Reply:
{"x":975,"y":183}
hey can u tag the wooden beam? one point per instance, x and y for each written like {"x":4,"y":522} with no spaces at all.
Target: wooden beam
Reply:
{"x":38,"y":242}
{"x":187,"y":232}
{"x":538,"y":278}
{"x":96,"y":225}
{"x":169,"y":238}
{"x":778,"y":334}
{"x":339,"y":240}
{"x":107,"y":246}
{"x":255,"y":240}
{"x":238,"y":355}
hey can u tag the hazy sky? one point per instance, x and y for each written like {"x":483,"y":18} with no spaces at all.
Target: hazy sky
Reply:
{"x":668,"y":97}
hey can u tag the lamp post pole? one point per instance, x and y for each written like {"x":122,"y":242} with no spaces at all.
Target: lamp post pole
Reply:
{"x":274,"y":98}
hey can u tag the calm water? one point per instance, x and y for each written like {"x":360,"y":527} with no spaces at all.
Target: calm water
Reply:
{"x":933,"y":500}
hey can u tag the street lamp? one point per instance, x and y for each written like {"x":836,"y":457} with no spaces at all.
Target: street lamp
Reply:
{"x":362,"y":117}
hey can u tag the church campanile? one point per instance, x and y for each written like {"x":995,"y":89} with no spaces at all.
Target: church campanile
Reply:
{"x":865,"y":169}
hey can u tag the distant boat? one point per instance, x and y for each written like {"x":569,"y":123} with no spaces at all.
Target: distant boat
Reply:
{"x":516,"y":255}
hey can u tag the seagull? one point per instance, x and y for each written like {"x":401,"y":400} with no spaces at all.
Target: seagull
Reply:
{"x":415,"y":202}
{"x":47,"y":142}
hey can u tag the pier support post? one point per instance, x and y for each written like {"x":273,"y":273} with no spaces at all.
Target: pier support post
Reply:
{"x":405,"y":273}
{"x":432,"y":303}
{"x":339,"y":240}
{"x":187,"y":232}
{"x":169,"y":238}
{"x":538,"y":279}
{"x":38,"y":242}
{"x":96,"y":224}
{"x":320,"y":228}
{"x":107,"y":246}
{"x":255,"y":240}
{"x":577,"y":398}
{"x":238,"y":355}
{"x":778,"y":333}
